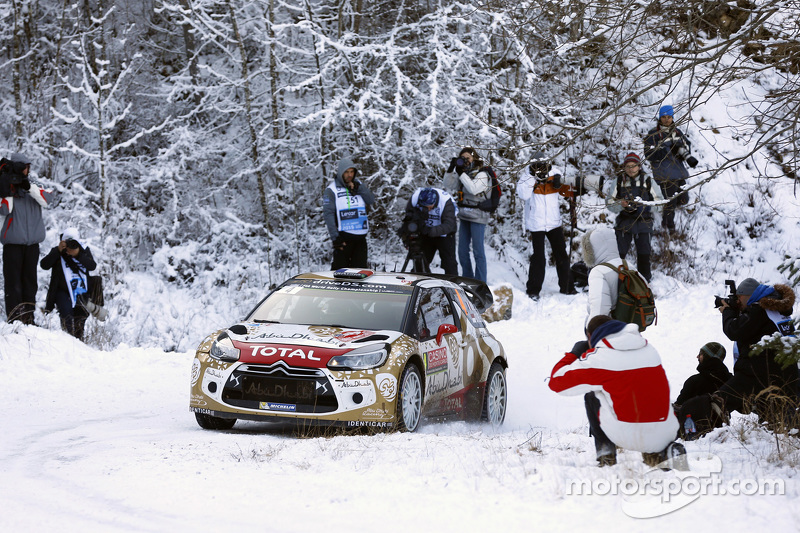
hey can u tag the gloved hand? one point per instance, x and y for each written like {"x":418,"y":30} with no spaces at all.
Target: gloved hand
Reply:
{"x":557,"y":181}
{"x":691,"y":161}
{"x":452,"y":166}
{"x":426,"y":231}
{"x":356,"y":185}
{"x":25,"y":185}
{"x":339,"y":243}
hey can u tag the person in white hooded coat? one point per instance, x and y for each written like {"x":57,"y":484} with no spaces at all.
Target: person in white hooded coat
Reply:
{"x":626,"y":393}
{"x":599,"y":245}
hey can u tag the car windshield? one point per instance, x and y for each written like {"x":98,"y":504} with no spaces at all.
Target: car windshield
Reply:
{"x":313,"y":306}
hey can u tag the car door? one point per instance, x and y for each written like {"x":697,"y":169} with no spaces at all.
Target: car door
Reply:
{"x":439,"y":334}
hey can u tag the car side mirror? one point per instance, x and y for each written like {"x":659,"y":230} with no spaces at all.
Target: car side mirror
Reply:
{"x":444,"y":329}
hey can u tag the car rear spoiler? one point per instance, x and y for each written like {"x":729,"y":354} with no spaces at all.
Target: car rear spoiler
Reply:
{"x":478,"y":292}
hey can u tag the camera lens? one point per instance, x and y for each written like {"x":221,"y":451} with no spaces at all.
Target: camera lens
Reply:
{"x":460,"y":162}
{"x":72,"y":244}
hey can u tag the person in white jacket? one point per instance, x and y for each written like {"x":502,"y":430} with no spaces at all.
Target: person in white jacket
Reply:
{"x":468,"y":180}
{"x":599,"y":245}
{"x":539,"y":189}
{"x":625,"y":390}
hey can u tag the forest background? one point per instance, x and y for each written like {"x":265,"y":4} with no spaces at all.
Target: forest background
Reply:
{"x":190,"y":140}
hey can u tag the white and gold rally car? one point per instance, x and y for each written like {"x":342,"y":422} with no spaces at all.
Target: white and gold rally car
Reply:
{"x":355,"y":348}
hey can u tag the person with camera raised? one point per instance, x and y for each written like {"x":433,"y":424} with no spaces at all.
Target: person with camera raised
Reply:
{"x":472,"y":183}
{"x":70,"y":263}
{"x":430,"y":223}
{"x":751,"y":312}
{"x":21,"y":205}
{"x":344,"y":209}
{"x":634,"y":219}
{"x":539,"y":190}
{"x":667,"y":148}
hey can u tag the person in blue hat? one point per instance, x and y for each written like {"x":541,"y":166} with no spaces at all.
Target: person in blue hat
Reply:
{"x":438,"y":232}
{"x":668,"y":150}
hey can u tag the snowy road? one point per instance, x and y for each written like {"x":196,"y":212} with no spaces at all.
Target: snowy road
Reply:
{"x":103,"y":441}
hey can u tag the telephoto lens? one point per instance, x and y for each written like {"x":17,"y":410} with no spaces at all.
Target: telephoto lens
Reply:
{"x":72,"y":244}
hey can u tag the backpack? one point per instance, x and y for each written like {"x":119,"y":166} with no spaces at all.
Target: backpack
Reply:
{"x":490,"y":204}
{"x":5,"y":178}
{"x":635,"y":302}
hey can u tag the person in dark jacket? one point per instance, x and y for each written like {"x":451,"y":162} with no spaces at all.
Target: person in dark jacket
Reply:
{"x":22,"y":231}
{"x":344,"y":209}
{"x":439,"y":232}
{"x":760,"y":310}
{"x":634,"y":220}
{"x":70,"y":263}
{"x":711,"y":373}
{"x":667,"y":148}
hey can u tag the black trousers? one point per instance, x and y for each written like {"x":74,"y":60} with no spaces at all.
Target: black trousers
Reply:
{"x":602,"y":444}
{"x":73,"y":319}
{"x":446,"y":246}
{"x":642,"y":242}
{"x":19,"y":271}
{"x":352,"y":254}
{"x":671,"y":189}
{"x":539,"y":260}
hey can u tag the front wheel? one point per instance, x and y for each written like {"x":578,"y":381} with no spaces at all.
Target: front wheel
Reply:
{"x":214,"y":422}
{"x":495,"y":399}
{"x":409,"y":400}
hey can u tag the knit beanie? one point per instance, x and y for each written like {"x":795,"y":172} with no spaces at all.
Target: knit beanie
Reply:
{"x":631,"y":158}
{"x":714,"y":349}
{"x":666,"y":110}
{"x":747,"y":287}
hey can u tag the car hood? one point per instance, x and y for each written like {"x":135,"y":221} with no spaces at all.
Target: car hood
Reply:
{"x":297,"y":345}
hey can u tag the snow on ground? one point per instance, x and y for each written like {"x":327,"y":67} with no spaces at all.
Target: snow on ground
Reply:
{"x":97,"y":440}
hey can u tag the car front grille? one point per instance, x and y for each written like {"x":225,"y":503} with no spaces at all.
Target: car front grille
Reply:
{"x":280,"y":388}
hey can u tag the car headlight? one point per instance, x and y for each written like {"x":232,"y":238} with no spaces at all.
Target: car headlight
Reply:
{"x":361,"y":358}
{"x":222,"y":348}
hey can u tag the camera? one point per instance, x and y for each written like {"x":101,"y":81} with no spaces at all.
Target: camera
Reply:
{"x":685,"y":155}
{"x":732,"y":299}
{"x":411,"y":230}
{"x":97,"y":311}
{"x":72,"y":244}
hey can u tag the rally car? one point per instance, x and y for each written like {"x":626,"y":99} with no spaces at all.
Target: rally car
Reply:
{"x":355,"y":348}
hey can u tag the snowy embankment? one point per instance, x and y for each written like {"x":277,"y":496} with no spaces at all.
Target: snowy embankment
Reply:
{"x":97,"y":440}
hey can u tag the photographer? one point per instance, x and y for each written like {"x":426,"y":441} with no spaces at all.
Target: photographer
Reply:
{"x":70,"y":264}
{"x":667,"y":148}
{"x":539,"y":190}
{"x":753,"y":311}
{"x":430,"y":223}
{"x":23,"y":229}
{"x":634,"y":220}
{"x":467,"y":176}
{"x":344,"y":209}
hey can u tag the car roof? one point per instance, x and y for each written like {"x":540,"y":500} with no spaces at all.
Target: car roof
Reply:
{"x":362,"y":275}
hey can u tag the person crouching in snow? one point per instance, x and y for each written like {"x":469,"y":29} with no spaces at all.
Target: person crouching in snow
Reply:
{"x":626,"y":392}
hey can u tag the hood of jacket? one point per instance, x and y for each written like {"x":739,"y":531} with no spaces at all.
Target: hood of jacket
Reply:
{"x":344,"y":164}
{"x":781,"y":300}
{"x":599,"y":246}
{"x":618,"y":336}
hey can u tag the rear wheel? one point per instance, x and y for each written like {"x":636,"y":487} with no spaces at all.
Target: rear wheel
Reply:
{"x":409,"y":400}
{"x":495,"y":399}
{"x":214,"y":422}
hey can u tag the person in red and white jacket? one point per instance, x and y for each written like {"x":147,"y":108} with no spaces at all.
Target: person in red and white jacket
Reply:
{"x":625,"y":390}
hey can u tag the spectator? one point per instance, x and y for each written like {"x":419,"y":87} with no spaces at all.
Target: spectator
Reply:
{"x":435,"y":210}
{"x":600,"y":246}
{"x":473,"y":184}
{"x":626,"y":392}
{"x":344,"y":209}
{"x":22,"y":231}
{"x":70,"y":263}
{"x":759,"y":310}
{"x":634,"y":220}
{"x":666,"y":148}
{"x":538,"y":188}
{"x":711,"y":373}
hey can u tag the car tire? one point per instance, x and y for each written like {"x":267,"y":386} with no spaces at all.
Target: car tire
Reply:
{"x":495,"y":398}
{"x":409,"y":399}
{"x":214,"y":422}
